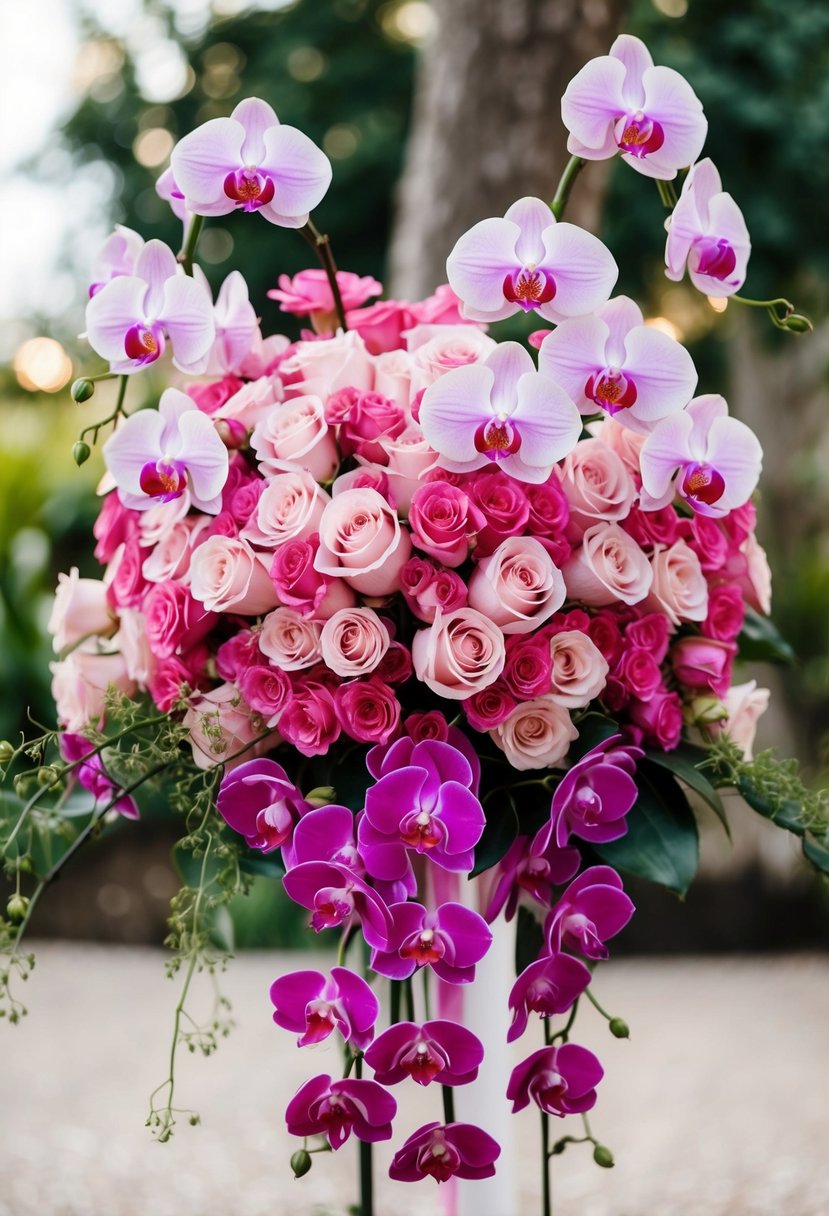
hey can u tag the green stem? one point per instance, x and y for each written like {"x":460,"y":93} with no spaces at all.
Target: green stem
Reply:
{"x":188,"y":252}
{"x":564,"y":1034}
{"x":366,"y":1172}
{"x":321,"y":245}
{"x":395,"y":992}
{"x":409,"y":992}
{"x":546,"y":1195}
{"x":608,"y":1016}
{"x":667,"y":193}
{"x":448,"y":1104}
{"x":427,"y":996}
{"x":95,"y":427}
{"x":572,"y":169}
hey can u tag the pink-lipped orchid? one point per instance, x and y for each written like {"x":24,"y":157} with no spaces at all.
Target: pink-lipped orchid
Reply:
{"x":166,"y":188}
{"x":158,"y":455}
{"x":527,"y":261}
{"x":621,"y":103}
{"x":716,"y":459}
{"x":131,"y":318}
{"x":117,"y":256}
{"x":612,"y":361}
{"x":501,"y":411}
{"x":251,"y":162}
{"x":236,"y":322}
{"x":707,"y":235}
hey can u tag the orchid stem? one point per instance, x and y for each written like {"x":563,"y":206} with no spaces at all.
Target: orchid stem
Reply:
{"x":448,"y":1104}
{"x":188,"y":252}
{"x":118,"y":412}
{"x":321,"y":245}
{"x":572,"y":169}
{"x":667,"y":193}
{"x":366,"y":1173}
{"x":395,"y":987}
{"x":608,"y":1016}
{"x":546,"y":1196}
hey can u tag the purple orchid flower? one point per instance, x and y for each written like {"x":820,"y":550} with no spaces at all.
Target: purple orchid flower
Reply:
{"x":560,"y":1080}
{"x":614,"y":362}
{"x":334,"y":895}
{"x":426,"y":807}
{"x":130,"y":319}
{"x":260,"y":802}
{"x":251,"y":162}
{"x":594,"y":796}
{"x":314,"y":1006}
{"x":593,"y":908}
{"x":450,"y":940}
{"x":707,"y":235}
{"x":527,"y":261}
{"x":501,"y":411}
{"x":621,"y":103}
{"x":549,"y":986}
{"x":456,"y":1149}
{"x":237,"y":326}
{"x":335,"y":1109}
{"x":325,"y":834}
{"x":439,"y":1050}
{"x":166,"y":188}
{"x":716,"y":460}
{"x":388,"y":757}
{"x":526,"y":870}
{"x":157,"y":455}
{"x":117,"y":256}
{"x":92,"y":775}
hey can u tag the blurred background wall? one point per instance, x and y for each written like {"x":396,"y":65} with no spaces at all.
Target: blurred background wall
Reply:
{"x":434,"y":115}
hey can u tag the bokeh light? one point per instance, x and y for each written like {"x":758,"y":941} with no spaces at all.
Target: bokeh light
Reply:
{"x":42,"y":365}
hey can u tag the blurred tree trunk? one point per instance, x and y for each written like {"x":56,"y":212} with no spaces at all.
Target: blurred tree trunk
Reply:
{"x":487,"y":123}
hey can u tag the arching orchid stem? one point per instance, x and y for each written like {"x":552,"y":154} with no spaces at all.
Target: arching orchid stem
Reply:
{"x":188,"y":250}
{"x":607,"y":1016}
{"x":117,"y":413}
{"x":781,"y":313}
{"x":564,"y":1033}
{"x":572,"y":169}
{"x":448,"y":1104}
{"x":667,"y":193}
{"x":366,"y":1170}
{"x":321,"y":245}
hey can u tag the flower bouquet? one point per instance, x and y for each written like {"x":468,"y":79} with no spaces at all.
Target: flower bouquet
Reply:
{"x":435,"y":634}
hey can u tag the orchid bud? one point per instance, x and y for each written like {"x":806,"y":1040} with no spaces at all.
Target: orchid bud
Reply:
{"x":798,"y":324}
{"x":82,"y":390}
{"x":619,"y":1028}
{"x":323,"y":795}
{"x":6,"y":751}
{"x":81,"y":452}
{"x":603,"y":1157}
{"x":17,"y":908}
{"x":48,"y":775}
{"x":301,"y":1162}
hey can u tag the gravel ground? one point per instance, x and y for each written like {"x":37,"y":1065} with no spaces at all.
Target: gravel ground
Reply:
{"x":716,"y":1106}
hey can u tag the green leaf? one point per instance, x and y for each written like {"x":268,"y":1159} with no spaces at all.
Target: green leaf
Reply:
{"x":662,"y":842}
{"x":499,"y":833}
{"x":528,"y":940}
{"x":270,"y":866}
{"x":761,"y":640}
{"x":817,"y":852}
{"x":682,"y":762}
{"x":787,"y":814}
{"x":593,"y":729}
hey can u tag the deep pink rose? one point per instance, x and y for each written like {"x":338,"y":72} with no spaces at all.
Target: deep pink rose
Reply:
{"x":124,"y":578}
{"x":603,"y":629}
{"x":659,"y":719}
{"x":309,"y":721}
{"x":443,"y":520}
{"x":115,"y":525}
{"x":652,"y":527}
{"x":549,"y":518}
{"x":639,"y":672}
{"x":703,"y":663}
{"x":651,"y":633}
{"x":174,"y":621}
{"x":309,"y":293}
{"x":726,"y":612}
{"x":709,"y":542}
{"x":170,"y":682}
{"x":211,"y":396}
{"x":529,"y":666}
{"x":369,"y":710}
{"x":363,"y":418}
{"x":297,"y":583}
{"x":396,"y":665}
{"x":381,"y":325}
{"x":237,"y":653}
{"x":504,"y":505}
{"x":487,"y":709}
{"x":441,"y":308}
{"x":266,"y":689}
{"x":429,"y":725}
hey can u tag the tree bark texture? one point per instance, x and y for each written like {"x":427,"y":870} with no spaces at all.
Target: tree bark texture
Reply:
{"x":487,"y":123}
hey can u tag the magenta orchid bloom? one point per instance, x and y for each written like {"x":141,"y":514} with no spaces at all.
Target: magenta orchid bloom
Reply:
{"x":260,"y":802}
{"x":252,"y":162}
{"x":325,"y":834}
{"x":439,"y":1050}
{"x":117,"y":256}
{"x":621,"y":103}
{"x":450,"y":940}
{"x":549,"y":986}
{"x":527,"y":261}
{"x":335,"y":895}
{"x":593,"y":908}
{"x":92,"y":775}
{"x":131,"y":318}
{"x":236,"y":324}
{"x":560,"y":1080}
{"x":527,"y":869}
{"x":315,"y":1006}
{"x":594,"y":796}
{"x":707,"y":235}
{"x":458,"y":1150}
{"x":716,"y":459}
{"x":612,"y":361}
{"x":501,"y":411}
{"x":335,"y":1109}
{"x":157,"y":455}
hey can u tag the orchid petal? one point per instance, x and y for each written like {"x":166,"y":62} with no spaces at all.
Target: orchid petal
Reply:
{"x":636,"y":57}
{"x":661,"y":369}
{"x":573,"y":352}
{"x":236,"y":321}
{"x":547,"y":420}
{"x":703,"y":182}
{"x":593,"y":100}
{"x":725,"y":222}
{"x":604,"y":151}
{"x":533,"y":216}
{"x":274,"y":216}
{"x":509,"y":363}
{"x":202,"y":160}
{"x":111,"y":312}
{"x":703,"y":412}
{"x":670,"y":101}
{"x":583,"y":268}
{"x":453,"y":407}
{"x":665,"y":449}
{"x":735,"y":452}
{"x":257,"y":117}
{"x":479,"y":263}
{"x":620,"y":315}
{"x":130,"y":447}
{"x":301,"y":171}
{"x":187,"y":316}
{"x":205,"y":454}
{"x":156,"y":264}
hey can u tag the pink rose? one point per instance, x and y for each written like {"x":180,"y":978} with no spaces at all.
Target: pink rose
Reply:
{"x":381,"y":325}
{"x":487,"y":709}
{"x":726,"y":612}
{"x":439,"y":348}
{"x":709,"y":542}
{"x":504,"y":505}
{"x":608,"y":567}
{"x":444,"y":592}
{"x":754,"y":575}
{"x":393,"y":376}
{"x":627,"y":444}
{"x":296,"y":432}
{"x":309,"y":721}
{"x":253,"y":402}
{"x":549,"y":518}
{"x":659,"y":719}
{"x":209,"y":397}
{"x":290,"y":508}
{"x":679,"y":587}
{"x":113,"y":527}
{"x":597,"y":485}
{"x":529,"y":666}
{"x":579,"y":669}
{"x":171,"y":682}
{"x":428,"y":725}
{"x":266,"y":690}
{"x":603,"y":629}
{"x":441,"y":308}
{"x":537,"y":734}
{"x":639,"y":672}
{"x":300,"y":586}
{"x":443,"y":520}
{"x":125,"y":583}
{"x":289,"y":640}
{"x":517,"y":587}
{"x":396,"y":665}
{"x":703,"y":663}
{"x":462,"y":653}
{"x":744,"y":704}
{"x":245,"y":499}
{"x":81,"y":607}
{"x":369,"y":710}
{"x":134,"y":647}
{"x":169,"y":560}
{"x":322,"y":367}
{"x":226,"y":575}
{"x":309,"y":294}
{"x":224,"y":729}
{"x":651,"y":633}
{"x":652,"y":527}
{"x":408,"y":458}
{"x":363,"y":419}
{"x":80,"y":683}
{"x":353,"y":641}
{"x":361,"y":540}
{"x":173,"y":620}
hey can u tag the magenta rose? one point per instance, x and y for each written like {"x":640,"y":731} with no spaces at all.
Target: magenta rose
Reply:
{"x":266,"y":690}
{"x":443,"y":520}
{"x":603,"y":629}
{"x":369,"y":710}
{"x":726,"y":612}
{"x":211,"y":396}
{"x":115,"y":525}
{"x":363,"y":419}
{"x":124,"y":578}
{"x":487,"y":709}
{"x":651,"y":633}
{"x":504,"y":505}
{"x":396,"y":665}
{"x":659,"y":719}
{"x":529,"y":666}
{"x":381,"y":325}
{"x":652,"y":527}
{"x":703,"y":663}
{"x":428,"y":725}
{"x":237,"y":653}
{"x":309,"y":721}
{"x":639,"y":672}
{"x":174,"y":620}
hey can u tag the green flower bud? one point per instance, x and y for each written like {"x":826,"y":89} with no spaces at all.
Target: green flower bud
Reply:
{"x":301,"y":1162}
{"x":81,"y":452}
{"x":619,"y":1028}
{"x":47,"y":775}
{"x":82,"y":390}
{"x":703,"y":711}
{"x":603,"y":1157}
{"x":16,"y":908}
{"x":323,"y":795}
{"x":6,"y":751}
{"x":798,"y":324}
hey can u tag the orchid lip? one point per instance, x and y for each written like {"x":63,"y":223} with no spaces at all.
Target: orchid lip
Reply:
{"x":163,"y":479}
{"x":529,"y":287}
{"x":143,"y":343}
{"x":638,"y":135}
{"x":611,"y":389}
{"x":702,"y":483}
{"x":497,"y":438}
{"x":249,"y":188}
{"x":715,"y":257}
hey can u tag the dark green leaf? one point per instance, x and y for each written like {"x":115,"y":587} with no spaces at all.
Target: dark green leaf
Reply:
{"x":661,"y":843}
{"x":817,"y":852}
{"x":761,"y":640}
{"x":593,"y":729}
{"x":787,"y":814}
{"x":682,"y":762}
{"x":528,"y":940}
{"x":500,"y":831}
{"x":269,"y":866}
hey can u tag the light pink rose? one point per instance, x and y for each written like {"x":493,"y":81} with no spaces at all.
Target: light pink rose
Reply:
{"x":361,"y":540}
{"x":353,"y":642}
{"x":744,"y":704}
{"x":597,"y":485}
{"x":296,"y":432}
{"x":518,"y":586}
{"x":537,"y":734}
{"x":170,"y":558}
{"x":289,"y":640}
{"x":679,"y":588}
{"x":253,"y":402}
{"x":80,"y":608}
{"x":393,"y":376}
{"x":174,"y":621}
{"x":409,"y":458}
{"x":290,"y":508}
{"x":627,"y":444}
{"x":579,"y":669}
{"x":462,"y":653}
{"x":323,"y":367}
{"x":80,"y":683}
{"x":223,"y":728}
{"x":439,"y":348}
{"x":755,"y":580}
{"x":158,"y":521}
{"x":226,"y":575}
{"x":609,"y":567}
{"x":134,"y":647}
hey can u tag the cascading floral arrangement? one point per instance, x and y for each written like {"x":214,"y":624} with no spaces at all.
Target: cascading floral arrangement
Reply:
{"x":394,"y":606}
